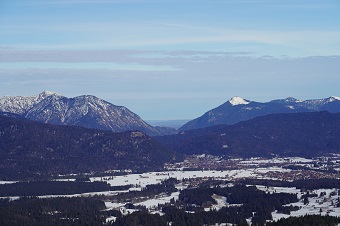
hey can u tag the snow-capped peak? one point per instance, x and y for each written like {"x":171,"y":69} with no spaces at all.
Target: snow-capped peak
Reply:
{"x":21,"y":104}
{"x":333,"y":98}
{"x":237,"y":101}
{"x":292,"y":100}
{"x":45,"y":94}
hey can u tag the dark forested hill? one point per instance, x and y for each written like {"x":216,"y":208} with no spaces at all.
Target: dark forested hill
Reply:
{"x":292,"y":134}
{"x":31,"y":148}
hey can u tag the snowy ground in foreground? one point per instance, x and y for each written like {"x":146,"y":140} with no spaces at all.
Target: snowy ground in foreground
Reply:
{"x":326,"y":203}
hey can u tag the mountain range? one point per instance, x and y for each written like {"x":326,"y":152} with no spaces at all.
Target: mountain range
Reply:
{"x":287,"y":134}
{"x":29,"y":148}
{"x":86,"y":111}
{"x":238,"y":109}
{"x":91,"y":112}
{"x":50,"y":134}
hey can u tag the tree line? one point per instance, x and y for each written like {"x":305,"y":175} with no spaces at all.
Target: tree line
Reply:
{"x":40,"y":188}
{"x":53,"y":211}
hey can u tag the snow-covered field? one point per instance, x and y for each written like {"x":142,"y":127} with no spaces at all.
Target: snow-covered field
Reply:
{"x":289,"y":190}
{"x":151,"y":203}
{"x":276,"y":160}
{"x":324,"y":205}
{"x":141,"y":180}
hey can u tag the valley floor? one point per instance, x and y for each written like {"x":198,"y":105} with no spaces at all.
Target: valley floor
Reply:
{"x":227,"y":172}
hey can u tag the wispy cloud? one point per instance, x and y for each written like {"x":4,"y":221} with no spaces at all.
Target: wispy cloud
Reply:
{"x":123,"y":35}
{"x":16,"y":55}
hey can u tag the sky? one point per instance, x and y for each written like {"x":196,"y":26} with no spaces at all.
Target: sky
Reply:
{"x":171,"y":59}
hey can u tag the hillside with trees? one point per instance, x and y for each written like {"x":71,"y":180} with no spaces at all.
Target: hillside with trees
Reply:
{"x":32,"y":149}
{"x":294,"y":134}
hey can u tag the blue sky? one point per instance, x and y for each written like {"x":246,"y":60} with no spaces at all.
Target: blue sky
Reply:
{"x":171,"y":59}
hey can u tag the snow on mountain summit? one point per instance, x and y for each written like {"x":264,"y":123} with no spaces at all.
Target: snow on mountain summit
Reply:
{"x":45,"y":94}
{"x":86,"y":111}
{"x":292,"y":100}
{"x":238,"y":101}
{"x":333,"y":98}
{"x":238,"y":109}
{"x":21,"y":104}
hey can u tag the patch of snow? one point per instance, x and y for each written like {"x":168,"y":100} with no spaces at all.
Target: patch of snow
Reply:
{"x":238,"y":101}
{"x":159,"y":200}
{"x":277,"y":216}
{"x":291,"y":100}
{"x":277,"y":160}
{"x":333,"y":98}
{"x":221,"y":202}
{"x":109,"y":219}
{"x":288,"y":190}
{"x":65,"y":180}
{"x":113,"y":205}
{"x":45,"y":94}
{"x":8,"y":182}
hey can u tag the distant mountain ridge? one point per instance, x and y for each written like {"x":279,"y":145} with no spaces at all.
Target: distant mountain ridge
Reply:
{"x":238,"y":109}
{"x":176,"y":123}
{"x":87,"y":111}
{"x":287,"y":134}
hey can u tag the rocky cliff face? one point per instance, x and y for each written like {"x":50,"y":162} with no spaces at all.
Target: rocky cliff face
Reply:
{"x":86,"y":111}
{"x":20,"y":104}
